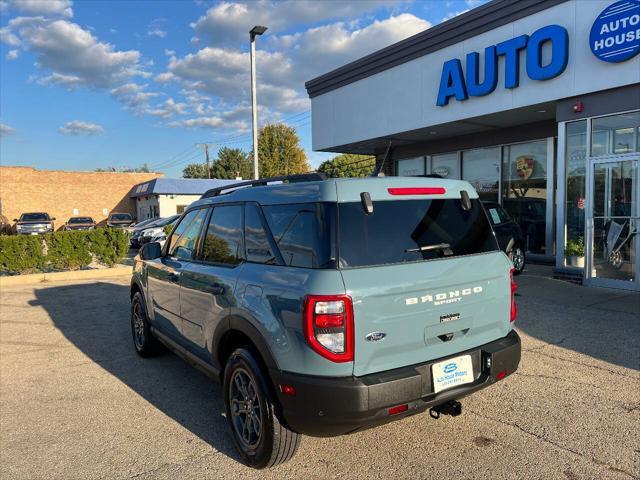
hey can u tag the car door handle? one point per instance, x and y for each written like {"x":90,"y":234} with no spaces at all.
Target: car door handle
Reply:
{"x":215,"y":289}
{"x":174,"y":277}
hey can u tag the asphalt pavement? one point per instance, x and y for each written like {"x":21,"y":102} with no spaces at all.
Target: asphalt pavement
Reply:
{"x":77,"y":402}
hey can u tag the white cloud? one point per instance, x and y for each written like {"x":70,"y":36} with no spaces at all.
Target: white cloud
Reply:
{"x":228,"y":23}
{"x":169,"y":53}
{"x":8,"y":37}
{"x":168,"y":109}
{"x":68,"y":50}
{"x":157,"y":32}
{"x":13,"y":54}
{"x":133,"y":95}
{"x":43,"y":7}
{"x":451,"y":15}
{"x":6,"y":130}
{"x":76,"y":127}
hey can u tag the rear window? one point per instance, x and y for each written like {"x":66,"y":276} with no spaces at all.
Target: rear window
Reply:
{"x":304,"y":233}
{"x":81,"y":220}
{"x":121,"y":217}
{"x":411,"y":231}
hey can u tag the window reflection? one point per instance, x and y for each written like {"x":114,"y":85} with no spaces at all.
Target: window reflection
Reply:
{"x":615,"y":135}
{"x":481,"y":168}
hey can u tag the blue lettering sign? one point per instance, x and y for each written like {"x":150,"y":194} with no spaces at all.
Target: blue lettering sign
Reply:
{"x":454,"y":84}
{"x":615,"y":34}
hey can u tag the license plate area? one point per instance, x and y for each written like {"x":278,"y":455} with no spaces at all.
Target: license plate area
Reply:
{"x":452,"y":372}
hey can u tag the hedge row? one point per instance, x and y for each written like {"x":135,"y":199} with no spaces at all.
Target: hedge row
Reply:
{"x":62,"y":250}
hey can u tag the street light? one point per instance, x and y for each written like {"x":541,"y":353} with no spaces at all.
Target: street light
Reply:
{"x":253,"y":33}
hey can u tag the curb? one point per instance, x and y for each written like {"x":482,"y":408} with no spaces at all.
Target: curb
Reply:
{"x":36,"y":278}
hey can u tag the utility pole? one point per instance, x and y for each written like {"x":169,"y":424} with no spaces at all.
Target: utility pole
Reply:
{"x":206,"y":155}
{"x":253,"y":33}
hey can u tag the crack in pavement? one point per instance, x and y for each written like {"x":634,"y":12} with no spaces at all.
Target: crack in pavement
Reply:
{"x":545,"y":345}
{"x":555,"y":357}
{"x":179,"y":463}
{"x":557,"y":445}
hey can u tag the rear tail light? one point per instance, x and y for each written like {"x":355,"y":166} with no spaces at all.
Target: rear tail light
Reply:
{"x":328,"y":326}
{"x":417,"y":191}
{"x":514,"y":287}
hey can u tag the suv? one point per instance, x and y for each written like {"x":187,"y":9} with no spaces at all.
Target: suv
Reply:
{"x":34,"y":223}
{"x":508,"y":234}
{"x":80,"y":223}
{"x":120,"y":220}
{"x":328,"y":306}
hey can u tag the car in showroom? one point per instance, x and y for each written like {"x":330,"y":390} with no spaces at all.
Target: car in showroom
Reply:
{"x":34,"y":223}
{"x":120,"y":220}
{"x":79,"y":223}
{"x":325,"y":307}
{"x":508,"y":234}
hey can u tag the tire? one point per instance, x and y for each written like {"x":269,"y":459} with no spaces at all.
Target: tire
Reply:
{"x":262,"y":442}
{"x":144,"y":342}
{"x":518,"y":258}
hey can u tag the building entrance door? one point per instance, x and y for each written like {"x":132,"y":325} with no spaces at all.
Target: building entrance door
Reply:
{"x":613,"y":241}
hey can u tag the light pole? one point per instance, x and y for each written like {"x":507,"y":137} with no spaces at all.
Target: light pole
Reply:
{"x":253,"y":33}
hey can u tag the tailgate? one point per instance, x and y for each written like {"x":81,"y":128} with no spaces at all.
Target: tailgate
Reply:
{"x":427,"y":310}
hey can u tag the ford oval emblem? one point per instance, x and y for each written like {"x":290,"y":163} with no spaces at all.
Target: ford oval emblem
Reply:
{"x":375,"y":336}
{"x":450,"y":367}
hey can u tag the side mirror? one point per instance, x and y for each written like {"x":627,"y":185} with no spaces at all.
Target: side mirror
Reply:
{"x":151,"y":251}
{"x":53,"y":219}
{"x":15,"y":219}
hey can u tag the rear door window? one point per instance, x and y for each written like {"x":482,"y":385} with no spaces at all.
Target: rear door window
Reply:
{"x":303,"y":233}
{"x":411,"y":231}
{"x":223,"y":238}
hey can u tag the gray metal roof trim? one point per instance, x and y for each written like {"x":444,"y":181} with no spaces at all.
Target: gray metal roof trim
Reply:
{"x":479,"y":20}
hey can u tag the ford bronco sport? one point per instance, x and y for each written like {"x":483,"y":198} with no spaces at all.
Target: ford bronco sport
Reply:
{"x":329,"y":306}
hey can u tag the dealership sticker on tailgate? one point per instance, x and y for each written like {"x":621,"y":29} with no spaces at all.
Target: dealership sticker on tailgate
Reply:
{"x":452,"y":372}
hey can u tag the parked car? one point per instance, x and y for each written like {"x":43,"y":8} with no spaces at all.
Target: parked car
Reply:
{"x":120,"y":220}
{"x":151,"y":232}
{"x":80,"y":223}
{"x":530,"y":214}
{"x":157,"y":230}
{"x":328,"y":306}
{"x":508,"y":234}
{"x":137,"y":231}
{"x":34,"y":223}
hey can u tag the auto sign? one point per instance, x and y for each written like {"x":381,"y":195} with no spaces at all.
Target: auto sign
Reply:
{"x":615,"y":34}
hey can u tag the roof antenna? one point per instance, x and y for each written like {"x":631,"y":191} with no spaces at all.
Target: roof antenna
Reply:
{"x":378,"y":171}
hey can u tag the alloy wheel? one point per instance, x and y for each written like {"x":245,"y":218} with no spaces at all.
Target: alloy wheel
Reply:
{"x":244,"y":400}
{"x":138,"y":326}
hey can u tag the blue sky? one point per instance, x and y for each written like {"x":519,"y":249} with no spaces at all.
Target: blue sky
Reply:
{"x":92,"y":83}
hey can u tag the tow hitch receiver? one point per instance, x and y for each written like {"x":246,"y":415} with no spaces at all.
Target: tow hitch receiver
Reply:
{"x":453,"y":408}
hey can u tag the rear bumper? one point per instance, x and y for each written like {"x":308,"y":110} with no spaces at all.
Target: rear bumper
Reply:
{"x":327,"y":407}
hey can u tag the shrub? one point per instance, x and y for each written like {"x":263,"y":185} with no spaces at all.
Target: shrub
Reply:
{"x":62,"y":250}
{"x":575,"y":246}
{"x":21,"y":253}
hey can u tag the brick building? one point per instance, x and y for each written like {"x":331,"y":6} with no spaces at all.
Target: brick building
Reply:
{"x":64,"y":194}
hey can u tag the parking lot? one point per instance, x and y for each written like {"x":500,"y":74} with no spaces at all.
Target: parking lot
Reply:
{"x":76,"y":401}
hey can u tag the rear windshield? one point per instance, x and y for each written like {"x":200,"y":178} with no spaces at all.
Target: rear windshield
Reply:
{"x":30,"y":217}
{"x":81,"y":220}
{"x":411,"y":231}
{"x":120,"y":216}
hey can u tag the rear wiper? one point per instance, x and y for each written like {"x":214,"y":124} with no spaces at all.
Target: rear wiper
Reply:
{"x":438,"y":246}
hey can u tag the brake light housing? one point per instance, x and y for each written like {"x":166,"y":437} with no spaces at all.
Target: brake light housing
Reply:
{"x":417,"y":191}
{"x":328,"y":326}
{"x":514,"y":308}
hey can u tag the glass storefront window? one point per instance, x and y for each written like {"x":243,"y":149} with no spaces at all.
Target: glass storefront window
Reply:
{"x":446,"y":165}
{"x":481,"y":168}
{"x":410,"y":167}
{"x":524,"y":191}
{"x":576,"y":168}
{"x":615,"y":135}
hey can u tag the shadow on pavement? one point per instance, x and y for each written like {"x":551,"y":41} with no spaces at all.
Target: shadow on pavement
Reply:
{"x":95,"y":318}
{"x":599,"y":322}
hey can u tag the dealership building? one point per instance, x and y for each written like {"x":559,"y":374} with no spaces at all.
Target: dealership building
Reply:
{"x":535,"y":102}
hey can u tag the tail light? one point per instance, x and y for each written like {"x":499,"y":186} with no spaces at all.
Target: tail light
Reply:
{"x":514,"y":287}
{"x":417,"y":191}
{"x":328,"y":326}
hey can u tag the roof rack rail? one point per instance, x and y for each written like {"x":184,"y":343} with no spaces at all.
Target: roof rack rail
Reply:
{"x":302,"y":177}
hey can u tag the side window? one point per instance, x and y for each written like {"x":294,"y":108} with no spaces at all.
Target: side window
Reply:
{"x":303,"y":240}
{"x":184,"y":238}
{"x":255,"y":237}
{"x":223,"y":240}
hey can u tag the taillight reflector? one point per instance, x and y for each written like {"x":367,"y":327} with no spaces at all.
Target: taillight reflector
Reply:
{"x":288,"y":389}
{"x":417,"y":191}
{"x":501,"y":375}
{"x":398,"y":409}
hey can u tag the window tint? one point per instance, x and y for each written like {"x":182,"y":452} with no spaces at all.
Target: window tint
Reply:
{"x":255,"y":237}
{"x":303,"y":233}
{"x":223,"y":241}
{"x":412,"y":230}
{"x":184,"y":238}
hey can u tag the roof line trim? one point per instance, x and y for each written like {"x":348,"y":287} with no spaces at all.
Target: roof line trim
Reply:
{"x":479,"y":20}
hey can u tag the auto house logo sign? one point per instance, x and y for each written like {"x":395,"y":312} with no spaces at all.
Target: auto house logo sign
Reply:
{"x":615,"y":34}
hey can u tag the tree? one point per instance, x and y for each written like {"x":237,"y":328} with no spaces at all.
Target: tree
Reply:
{"x":348,"y":165}
{"x":279,"y":151}
{"x":231,"y":163}
{"x":195,"y":170}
